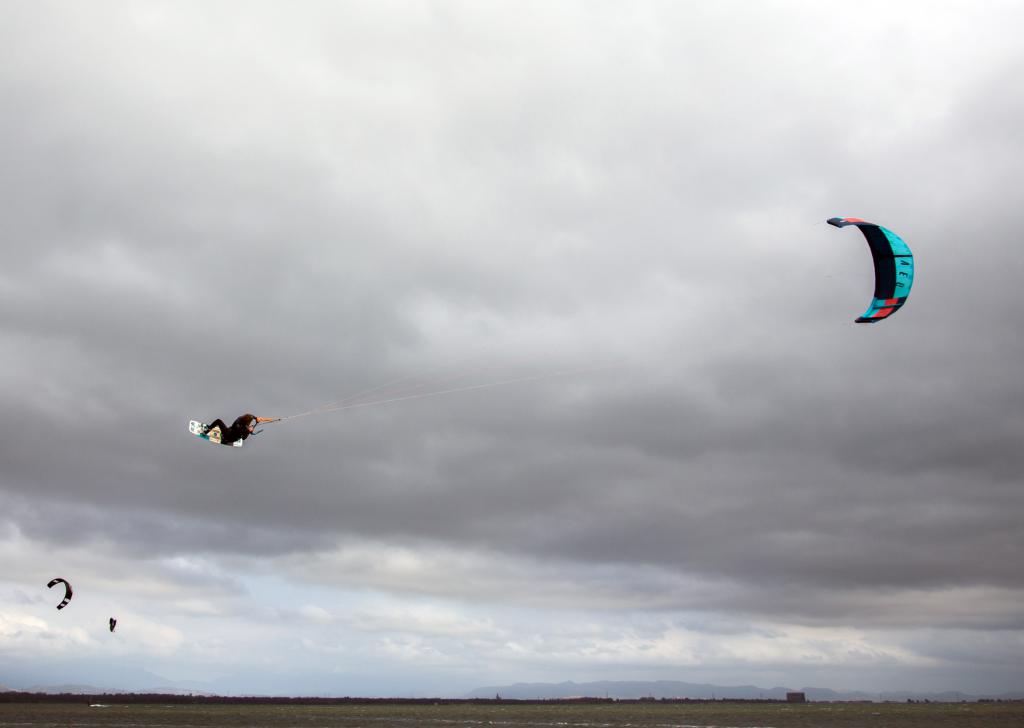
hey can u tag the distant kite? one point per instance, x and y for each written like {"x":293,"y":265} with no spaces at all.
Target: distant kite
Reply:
{"x":894,"y":268}
{"x":67,"y":591}
{"x":113,"y":623}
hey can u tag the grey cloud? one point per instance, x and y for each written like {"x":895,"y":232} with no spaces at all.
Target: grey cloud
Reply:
{"x":329,"y":199}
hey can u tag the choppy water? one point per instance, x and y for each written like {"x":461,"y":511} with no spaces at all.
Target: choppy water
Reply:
{"x":555,"y":715}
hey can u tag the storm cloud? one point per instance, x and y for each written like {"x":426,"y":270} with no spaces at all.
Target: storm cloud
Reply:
{"x":692,"y":465}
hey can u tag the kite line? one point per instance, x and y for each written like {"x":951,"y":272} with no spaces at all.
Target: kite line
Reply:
{"x":353,"y":403}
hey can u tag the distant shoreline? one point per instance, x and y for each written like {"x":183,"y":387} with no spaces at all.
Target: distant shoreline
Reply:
{"x":201,"y":699}
{"x":129,"y":698}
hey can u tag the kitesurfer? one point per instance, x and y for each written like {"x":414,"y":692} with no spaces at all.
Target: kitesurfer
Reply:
{"x":240,"y":429}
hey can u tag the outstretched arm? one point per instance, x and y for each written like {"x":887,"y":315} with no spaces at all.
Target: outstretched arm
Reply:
{"x":267,"y":419}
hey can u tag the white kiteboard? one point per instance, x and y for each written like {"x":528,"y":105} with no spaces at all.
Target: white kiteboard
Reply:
{"x":200,"y":430}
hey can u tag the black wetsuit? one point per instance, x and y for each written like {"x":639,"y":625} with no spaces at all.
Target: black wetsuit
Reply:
{"x":239,"y":429}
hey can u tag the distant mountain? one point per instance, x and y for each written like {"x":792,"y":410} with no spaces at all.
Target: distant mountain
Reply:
{"x":625,"y":690}
{"x":5,"y":689}
{"x":948,"y":696}
{"x":167,"y":690}
{"x":93,"y":690}
{"x":628,"y":690}
{"x":95,"y":675}
{"x":73,"y":690}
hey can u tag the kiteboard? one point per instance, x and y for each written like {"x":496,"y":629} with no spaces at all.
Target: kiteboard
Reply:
{"x":200,"y":430}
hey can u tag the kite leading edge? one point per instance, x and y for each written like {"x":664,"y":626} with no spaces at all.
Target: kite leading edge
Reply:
{"x":894,"y":268}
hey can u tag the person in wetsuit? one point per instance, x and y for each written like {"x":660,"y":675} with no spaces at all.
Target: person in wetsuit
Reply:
{"x":240,"y":429}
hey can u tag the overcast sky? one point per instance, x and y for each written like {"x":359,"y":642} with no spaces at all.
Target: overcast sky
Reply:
{"x":709,"y":472}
